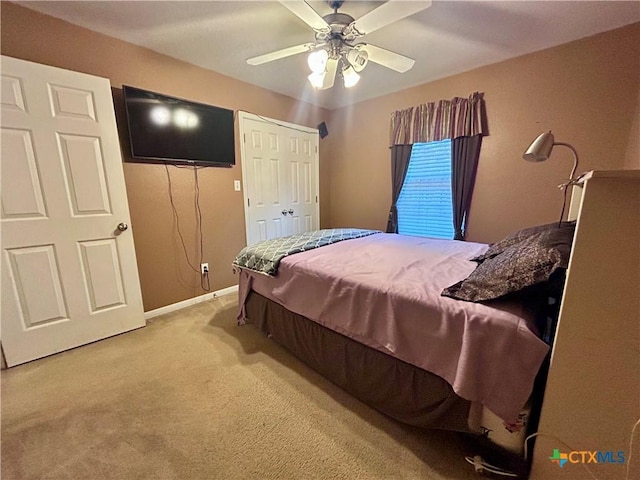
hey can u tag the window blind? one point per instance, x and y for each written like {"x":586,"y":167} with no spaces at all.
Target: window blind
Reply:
{"x":425,"y":206}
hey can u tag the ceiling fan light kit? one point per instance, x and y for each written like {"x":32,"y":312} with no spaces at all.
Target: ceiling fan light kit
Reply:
{"x":335,"y":35}
{"x":350,"y":77}
{"x":316,"y":79}
{"x":318,"y":61}
{"x":358,"y":58}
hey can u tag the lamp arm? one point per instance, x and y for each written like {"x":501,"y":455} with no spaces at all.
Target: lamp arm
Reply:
{"x":575,"y":158}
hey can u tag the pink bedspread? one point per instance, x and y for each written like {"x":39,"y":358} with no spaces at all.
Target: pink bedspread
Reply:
{"x":384,"y":291}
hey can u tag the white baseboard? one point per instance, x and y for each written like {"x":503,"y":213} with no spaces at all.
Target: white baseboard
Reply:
{"x":191,"y":301}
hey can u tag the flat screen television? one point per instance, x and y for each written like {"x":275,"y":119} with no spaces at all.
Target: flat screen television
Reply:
{"x":164,"y":128}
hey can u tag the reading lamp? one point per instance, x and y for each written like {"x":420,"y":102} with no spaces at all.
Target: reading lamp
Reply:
{"x":540,"y":150}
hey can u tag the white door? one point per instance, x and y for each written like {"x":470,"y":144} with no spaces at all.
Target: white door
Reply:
{"x":69,"y":275}
{"x":280,"y":176}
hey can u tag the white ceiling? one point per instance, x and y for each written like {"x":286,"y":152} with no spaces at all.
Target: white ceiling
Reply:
{"x":448,"y":38}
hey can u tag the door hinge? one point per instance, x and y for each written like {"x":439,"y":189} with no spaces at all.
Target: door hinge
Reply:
{"x":316,"y":199}
{"x":244,"y":137}
{"x":248,"y":202}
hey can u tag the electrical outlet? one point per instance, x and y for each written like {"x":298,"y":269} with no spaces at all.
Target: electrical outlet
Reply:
{"x":204,"y":268}
{"x":236,"y":185}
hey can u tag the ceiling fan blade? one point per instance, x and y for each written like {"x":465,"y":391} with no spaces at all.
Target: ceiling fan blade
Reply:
{"x":278,"y":54}
{"x":388,"y":59}
{"x":386,"y":14}
{"x":307,"y":14}
{"x":330,"y":75}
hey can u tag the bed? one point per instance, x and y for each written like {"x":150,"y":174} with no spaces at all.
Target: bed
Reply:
{"x":375,"y":313}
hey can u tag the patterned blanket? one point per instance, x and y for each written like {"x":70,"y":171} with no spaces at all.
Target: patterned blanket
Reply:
{"x":264,"y":257}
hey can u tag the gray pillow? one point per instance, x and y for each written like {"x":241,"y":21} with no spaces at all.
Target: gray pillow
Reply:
{"x":517,"y":237}
{"x":530,"y":262}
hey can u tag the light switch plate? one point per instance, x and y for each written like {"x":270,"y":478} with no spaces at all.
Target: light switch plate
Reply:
{"x":236,"y":185}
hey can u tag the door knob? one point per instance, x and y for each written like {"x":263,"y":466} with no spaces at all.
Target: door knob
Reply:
{"x":290,"y":211}
{"x":122,"y":227}
{"x":284,"y":212}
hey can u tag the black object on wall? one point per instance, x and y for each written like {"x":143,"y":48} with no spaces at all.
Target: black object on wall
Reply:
{"x":322,"y":130}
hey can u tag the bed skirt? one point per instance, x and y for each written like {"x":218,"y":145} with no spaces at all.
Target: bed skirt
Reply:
{"x":400,"y":390}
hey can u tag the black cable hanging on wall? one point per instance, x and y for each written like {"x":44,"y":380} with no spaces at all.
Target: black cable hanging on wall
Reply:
{"x":204,"y":278}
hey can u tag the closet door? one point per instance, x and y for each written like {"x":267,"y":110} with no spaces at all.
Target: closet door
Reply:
{"x":280,"y":176}
{"x":69,"y":273}
{"x":301,"y":182}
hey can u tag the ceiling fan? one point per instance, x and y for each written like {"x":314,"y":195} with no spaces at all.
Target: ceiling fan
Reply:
{"x":334,"y":49}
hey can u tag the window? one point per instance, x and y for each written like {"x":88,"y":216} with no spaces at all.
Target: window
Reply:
{"x":425,"y":207}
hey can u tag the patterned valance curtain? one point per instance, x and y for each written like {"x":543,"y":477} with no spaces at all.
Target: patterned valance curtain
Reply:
{"x":431,"y":122}
{"x":461,"y":119}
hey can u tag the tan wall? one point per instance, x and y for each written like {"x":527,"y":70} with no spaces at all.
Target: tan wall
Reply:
{"x":632,"y":159}
{"x":585,"y":92}
{"x":164,"y":274}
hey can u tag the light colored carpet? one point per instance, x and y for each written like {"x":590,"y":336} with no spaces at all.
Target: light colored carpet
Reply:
{"x":194,"y":396}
